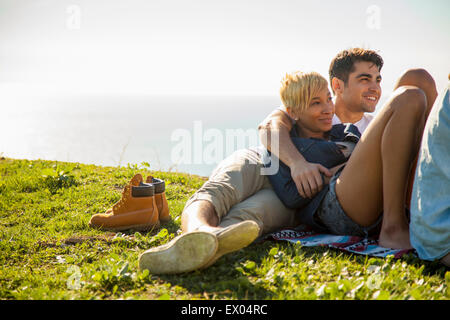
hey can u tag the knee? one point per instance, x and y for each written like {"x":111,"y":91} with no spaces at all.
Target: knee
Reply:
{"x":416,"y":77}
{"x":411,"y":99}
{"x":420,"y":78}
{"x":414,"y":94}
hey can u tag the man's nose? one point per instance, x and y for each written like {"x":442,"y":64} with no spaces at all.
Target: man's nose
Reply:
{"x":375,"y":86}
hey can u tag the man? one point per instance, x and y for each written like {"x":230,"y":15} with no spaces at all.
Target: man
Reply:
{"x":237,"y":203}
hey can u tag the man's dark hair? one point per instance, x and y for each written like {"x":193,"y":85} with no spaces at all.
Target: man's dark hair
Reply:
{"x":343,"y":64}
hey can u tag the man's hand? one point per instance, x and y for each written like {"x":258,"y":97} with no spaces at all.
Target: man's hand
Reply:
{"x":307,"y":178}
{"x":306,"y":175}
{"x":333,"y":172}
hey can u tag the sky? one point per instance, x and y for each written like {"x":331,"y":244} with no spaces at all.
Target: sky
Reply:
{"x":208,"y":47}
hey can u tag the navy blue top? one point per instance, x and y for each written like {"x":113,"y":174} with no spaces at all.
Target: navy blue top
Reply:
{"x":324,"y":152}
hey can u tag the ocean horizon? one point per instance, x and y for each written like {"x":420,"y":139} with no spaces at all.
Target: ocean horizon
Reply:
{"x":177,"y":133}
{"x":113,"y":130}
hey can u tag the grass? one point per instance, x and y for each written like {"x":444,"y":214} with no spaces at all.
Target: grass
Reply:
{"x":48,"y":251}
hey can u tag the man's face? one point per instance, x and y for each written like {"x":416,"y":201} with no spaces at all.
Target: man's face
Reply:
{"x":362,"y":91}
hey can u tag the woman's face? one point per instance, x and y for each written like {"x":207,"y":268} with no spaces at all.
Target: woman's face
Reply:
{"x":317,"y":118}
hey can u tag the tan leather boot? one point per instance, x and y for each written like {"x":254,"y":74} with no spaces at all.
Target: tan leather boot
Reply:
{"x":160,"y":197}
{"x":135,"y":210}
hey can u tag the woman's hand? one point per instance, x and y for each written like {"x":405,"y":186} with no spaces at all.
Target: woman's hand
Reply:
{"x":308,"y":179}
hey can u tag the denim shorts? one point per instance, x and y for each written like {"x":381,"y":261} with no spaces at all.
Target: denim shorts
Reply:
{"x":331,"y":215}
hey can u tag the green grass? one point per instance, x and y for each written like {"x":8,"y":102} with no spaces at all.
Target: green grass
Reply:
{"x":48,"y":251}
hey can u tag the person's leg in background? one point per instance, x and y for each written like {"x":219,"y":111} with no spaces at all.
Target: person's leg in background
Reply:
{"x":430,"y":203}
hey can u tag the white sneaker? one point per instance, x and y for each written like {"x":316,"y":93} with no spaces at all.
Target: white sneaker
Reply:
{"x":233,"y":238}
{"x":187,"y":252}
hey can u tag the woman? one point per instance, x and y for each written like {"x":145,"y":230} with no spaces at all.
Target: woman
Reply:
{"x":373,"y":182}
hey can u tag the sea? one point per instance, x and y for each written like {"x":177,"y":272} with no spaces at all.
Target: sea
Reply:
{"x":177,"y":133}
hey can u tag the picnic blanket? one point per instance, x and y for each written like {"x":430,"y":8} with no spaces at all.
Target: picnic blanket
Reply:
{"x":309,"y":238}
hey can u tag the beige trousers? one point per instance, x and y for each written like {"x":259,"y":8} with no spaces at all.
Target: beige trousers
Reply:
{"x":238,"y":192}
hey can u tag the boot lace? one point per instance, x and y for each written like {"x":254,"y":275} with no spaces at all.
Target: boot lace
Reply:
{"x":123,"y":200}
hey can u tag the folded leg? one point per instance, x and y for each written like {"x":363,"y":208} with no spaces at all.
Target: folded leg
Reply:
{"x":375,"y":177}
{"x":234,"y":179}
{"x":264,"y":208}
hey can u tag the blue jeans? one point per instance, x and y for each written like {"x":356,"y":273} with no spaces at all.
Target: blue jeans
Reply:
{"x":333,"y":217}
{"x":324,"y":152}
{"x":430,"y":203}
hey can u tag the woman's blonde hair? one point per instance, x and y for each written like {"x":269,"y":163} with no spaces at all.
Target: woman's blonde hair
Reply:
{"x":298,"y":88}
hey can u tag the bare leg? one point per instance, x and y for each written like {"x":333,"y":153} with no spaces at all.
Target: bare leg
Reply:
{"x":399,"y":151}
{"x":375,"y":178}
{"x":200,"y":215}
{"x":422,"y":79}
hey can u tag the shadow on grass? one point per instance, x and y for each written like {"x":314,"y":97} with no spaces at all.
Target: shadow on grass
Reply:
{"x":229,"y":277}
{"x":225,"y":279}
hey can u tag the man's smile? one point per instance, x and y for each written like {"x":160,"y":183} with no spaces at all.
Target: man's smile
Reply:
{"x":371,"y":97}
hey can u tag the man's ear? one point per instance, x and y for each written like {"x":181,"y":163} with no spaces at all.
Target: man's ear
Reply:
{"x":337,"y":85}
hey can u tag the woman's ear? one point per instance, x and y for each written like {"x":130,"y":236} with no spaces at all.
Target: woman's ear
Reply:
{"x":290,"y":113}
